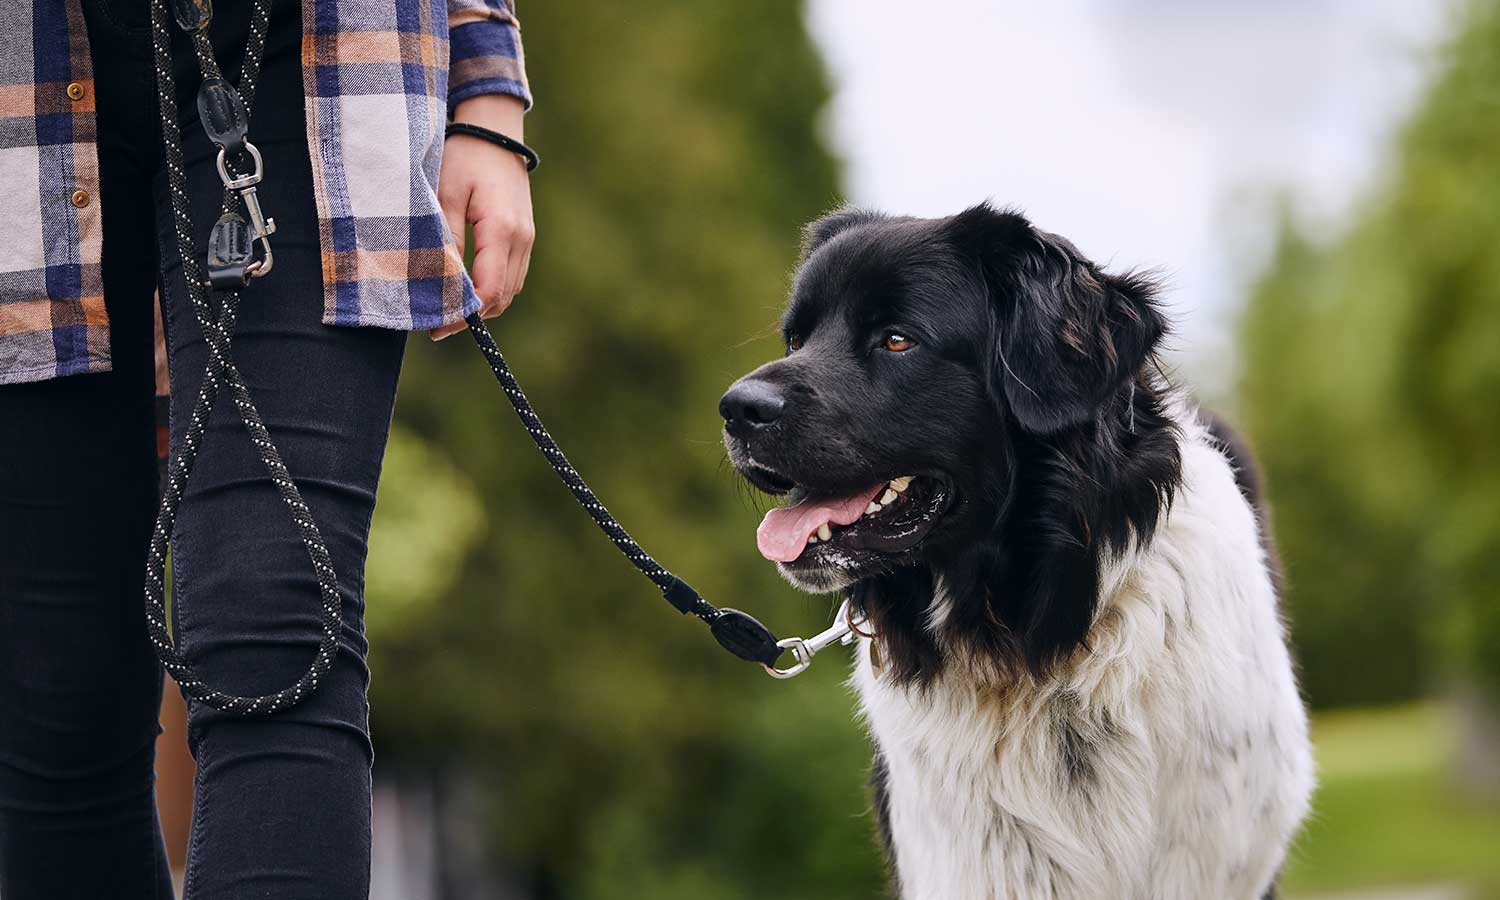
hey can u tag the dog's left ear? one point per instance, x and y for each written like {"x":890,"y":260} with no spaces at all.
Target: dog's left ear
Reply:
{"x":824,"y":229}
{"x":1067,"y":334}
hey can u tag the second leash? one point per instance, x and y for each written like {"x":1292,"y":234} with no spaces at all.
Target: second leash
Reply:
{"x":231,"y":261}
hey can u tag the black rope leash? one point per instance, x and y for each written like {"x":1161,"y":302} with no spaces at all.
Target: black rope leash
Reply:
{"x":226,"y":117}
{"x":737,"y":632}
{"x":231,"y":263}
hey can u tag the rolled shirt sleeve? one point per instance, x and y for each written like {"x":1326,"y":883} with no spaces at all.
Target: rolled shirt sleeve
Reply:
{"x":485,"y":51}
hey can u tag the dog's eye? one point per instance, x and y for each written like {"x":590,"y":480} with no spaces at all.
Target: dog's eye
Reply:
{"x":898,"y":343}
{"x":793,"y":343}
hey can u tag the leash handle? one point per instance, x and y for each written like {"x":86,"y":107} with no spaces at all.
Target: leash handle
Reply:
{"x":217,"y":326}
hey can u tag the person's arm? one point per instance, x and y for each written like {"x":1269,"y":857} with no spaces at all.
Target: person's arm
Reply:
{"x":479,"y":183}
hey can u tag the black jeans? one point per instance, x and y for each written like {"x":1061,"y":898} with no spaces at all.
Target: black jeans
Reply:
{"x":282,"y":804}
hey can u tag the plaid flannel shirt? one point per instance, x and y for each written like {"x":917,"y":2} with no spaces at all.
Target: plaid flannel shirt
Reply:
{"x":380,"y":78}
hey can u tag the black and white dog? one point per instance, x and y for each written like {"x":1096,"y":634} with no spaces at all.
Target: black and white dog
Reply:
{"x":1075,"y":674}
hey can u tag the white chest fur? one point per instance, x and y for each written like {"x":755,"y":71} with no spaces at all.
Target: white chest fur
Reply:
{"x":1170,"y":763}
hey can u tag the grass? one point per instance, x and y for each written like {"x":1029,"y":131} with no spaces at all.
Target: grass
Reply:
{"x":1387,"y":811}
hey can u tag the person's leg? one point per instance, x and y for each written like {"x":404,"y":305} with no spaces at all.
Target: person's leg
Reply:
{"x":79,"y":685}
{"x":283,"y":802}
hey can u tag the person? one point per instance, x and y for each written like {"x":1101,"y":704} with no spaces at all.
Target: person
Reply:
{"x":371,"y":206}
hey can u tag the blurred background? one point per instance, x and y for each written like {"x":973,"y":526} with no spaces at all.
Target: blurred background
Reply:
{"x":1319,"y":182}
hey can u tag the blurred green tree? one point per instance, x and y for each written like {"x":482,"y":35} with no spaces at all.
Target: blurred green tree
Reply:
{"x":624,"y":755}
{"x":1372,"y":389}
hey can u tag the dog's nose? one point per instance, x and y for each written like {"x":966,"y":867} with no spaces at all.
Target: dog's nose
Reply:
{"x":751,"y":404}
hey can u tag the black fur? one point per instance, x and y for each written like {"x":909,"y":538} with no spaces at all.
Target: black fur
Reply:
{"x":1030,"y":393}
{"x":1236,"y":449}
{"x":1251,"y":482}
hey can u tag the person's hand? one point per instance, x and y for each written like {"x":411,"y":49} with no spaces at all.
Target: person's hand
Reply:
{"x":487,"y":187}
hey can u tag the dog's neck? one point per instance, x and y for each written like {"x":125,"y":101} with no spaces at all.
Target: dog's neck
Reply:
{"x":971,"y":758}
{"x":950,"y":646}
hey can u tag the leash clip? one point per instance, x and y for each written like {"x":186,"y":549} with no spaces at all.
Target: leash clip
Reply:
{"x":260,"y":224}
{"x":804,"y":649}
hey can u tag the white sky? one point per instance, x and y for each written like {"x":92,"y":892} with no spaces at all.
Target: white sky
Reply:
{"x":1153,"y":133}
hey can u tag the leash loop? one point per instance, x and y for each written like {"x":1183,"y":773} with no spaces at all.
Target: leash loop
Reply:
{"x":229,"y":245}
{"x":240,"y":182}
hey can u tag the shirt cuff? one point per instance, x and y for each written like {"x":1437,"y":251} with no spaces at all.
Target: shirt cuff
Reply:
{"x":485,"y":58}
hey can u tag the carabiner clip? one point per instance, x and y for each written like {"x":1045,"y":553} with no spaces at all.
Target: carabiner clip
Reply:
{"x":261,"y":225}
{"x":804,"y":649}
{"x":263,"y":228}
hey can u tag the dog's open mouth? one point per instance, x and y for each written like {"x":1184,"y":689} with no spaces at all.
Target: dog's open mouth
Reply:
{"x":887,"y":518}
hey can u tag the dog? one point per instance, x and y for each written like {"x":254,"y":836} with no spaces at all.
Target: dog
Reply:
{"x":1072,"y":667}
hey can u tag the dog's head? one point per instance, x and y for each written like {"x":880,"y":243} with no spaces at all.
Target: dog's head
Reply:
{"x":957,"y":403}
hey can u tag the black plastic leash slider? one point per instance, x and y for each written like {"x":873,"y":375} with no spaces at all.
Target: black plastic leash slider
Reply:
{"x":230,"y":253}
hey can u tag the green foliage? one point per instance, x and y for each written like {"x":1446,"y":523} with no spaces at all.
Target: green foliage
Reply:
{"x":429,"y":522}
{"x":623,"y":753}
{"x":1373,"y":372}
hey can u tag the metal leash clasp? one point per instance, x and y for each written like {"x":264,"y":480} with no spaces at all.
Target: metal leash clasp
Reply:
{"x":804,"y":649}
{"x":261,"y":226}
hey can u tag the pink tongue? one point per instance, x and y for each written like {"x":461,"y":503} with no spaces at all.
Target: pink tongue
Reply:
{"x":783,"y":534}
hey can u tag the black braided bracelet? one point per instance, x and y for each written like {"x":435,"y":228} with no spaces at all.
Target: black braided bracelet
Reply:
{"x":496,"y":138}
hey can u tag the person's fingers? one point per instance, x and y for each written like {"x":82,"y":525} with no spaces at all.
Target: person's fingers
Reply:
{"x":492,"y":310}
{"x":520,"y":259}
{"x":499,"y":305}
{"x":494,"y":249}
{"x":501,"y":241}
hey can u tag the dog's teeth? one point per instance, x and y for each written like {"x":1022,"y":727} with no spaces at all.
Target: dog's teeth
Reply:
{"x":812,"y":538}
{"x":824,"y":532}
{"x":900,"y":484}
{"x":872,"y":509}
{"x":888,"y":496}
